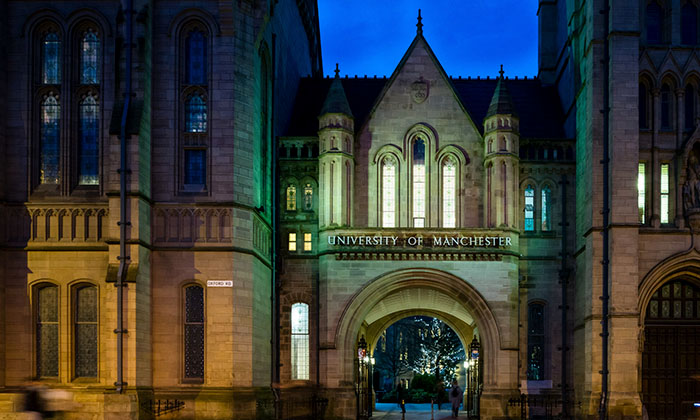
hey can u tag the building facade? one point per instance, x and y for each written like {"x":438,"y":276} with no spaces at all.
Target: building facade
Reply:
{"x":277,"y":220}
{"x":209,"y":88}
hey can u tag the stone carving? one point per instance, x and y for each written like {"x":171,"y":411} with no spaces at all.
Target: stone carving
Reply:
{"x":419,"y":90}
{"x":691,"y":188}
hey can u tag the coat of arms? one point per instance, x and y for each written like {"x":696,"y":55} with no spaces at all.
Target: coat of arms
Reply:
{"x":419,"y":90}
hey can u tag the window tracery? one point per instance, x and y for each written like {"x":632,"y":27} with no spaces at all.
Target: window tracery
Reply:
{"x":449,"y":192}
{"x":194,"y":332}
{"x":46,"y":331}
{"x":529,"y":209}
{"x":419,"y":189}
{"x":86,"y":331}
{"x":300,"y":341}
{"x":546,"y":211}
{"x":388,"y":204}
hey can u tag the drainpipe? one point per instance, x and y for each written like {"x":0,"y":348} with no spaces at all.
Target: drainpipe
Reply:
{"x":123,"y":223}
{"x":564,"y":279}
{"x":274,"y":289}
{"x":605,"y":298}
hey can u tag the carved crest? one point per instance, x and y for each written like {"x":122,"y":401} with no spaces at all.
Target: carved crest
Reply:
{"x":419,"y":90}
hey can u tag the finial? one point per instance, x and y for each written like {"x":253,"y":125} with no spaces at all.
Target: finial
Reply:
{"x":501,"y":72}
{"x":337,"y":70}
{"x":419,"y":25}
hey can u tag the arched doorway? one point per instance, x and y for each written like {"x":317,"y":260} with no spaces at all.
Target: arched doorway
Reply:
{"x":671,"y":350}
{"x":426,"y":292}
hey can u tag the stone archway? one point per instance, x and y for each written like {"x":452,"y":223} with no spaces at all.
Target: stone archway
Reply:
{"x":454,"y":300}
{"x":669,"y":314}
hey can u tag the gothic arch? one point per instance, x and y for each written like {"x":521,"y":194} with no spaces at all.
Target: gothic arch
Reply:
{"x":360,"y":304}
{"x":684,"y":265}
{"x":186,"y":16}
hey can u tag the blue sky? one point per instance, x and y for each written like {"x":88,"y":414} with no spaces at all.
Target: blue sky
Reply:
{"x":469,"y":37}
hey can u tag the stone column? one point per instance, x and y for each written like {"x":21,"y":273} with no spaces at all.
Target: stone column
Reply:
{"x":654,"y":191}
{"x":678,"y":162}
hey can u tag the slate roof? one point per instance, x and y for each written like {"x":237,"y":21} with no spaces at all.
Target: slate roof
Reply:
{"x":501,"y":102}
{"x":336,"y":101}
{"x":538,"y":106}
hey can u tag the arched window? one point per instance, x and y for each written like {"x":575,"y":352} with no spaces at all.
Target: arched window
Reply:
{"x":51,"y":59}
{"x":535,"y":342}
{"x":643,"y":110}
{"x":194,"y":332}
{"x":529,"y":209}
{"x":388,"y":192}
{"x":89,"y":58}
{"x":546,"y":209}
{"x":419,"y":192}
{"x":86,"y":331}
{"x":88,"y":155}
{"x":300,"y":341}
{"x":196,"y":58}
{"x":194,"y":93}
{"x":655,"y":17}
{"x":689,"y":24}
{"x":308,"y":197}
{"x":666,"y":107}
{"x":291,"y":198}
{"x":449,"y":192}
{"x":46,"y":331}
{"x":49,"y":141}
{"x":196,"y":114}
{"x":690,"y":107}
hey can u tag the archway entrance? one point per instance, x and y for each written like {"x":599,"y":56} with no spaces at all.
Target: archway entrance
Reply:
{"x":419,"y":292}
{"x":671,"y":354}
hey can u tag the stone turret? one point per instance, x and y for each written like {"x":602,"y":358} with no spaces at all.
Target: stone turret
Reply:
{"x":336,"y":162}
{"x":501,"y":163}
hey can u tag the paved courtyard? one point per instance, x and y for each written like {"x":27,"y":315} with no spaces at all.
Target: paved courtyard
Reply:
{"x":391,"y":411}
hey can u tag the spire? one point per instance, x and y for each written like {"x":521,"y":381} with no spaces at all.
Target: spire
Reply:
{"x":501,"y":102}
{"x":336,"y":101}
{"x":419,"y":25}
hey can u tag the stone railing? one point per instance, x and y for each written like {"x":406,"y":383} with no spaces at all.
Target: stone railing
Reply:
{"x":191,"y":225}
{"x":64,"y":224}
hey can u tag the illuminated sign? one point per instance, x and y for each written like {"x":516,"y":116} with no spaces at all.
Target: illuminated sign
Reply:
{"x":448,"y":241}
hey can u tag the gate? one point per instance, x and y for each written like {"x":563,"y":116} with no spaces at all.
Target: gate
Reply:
{"x":363,"y":381}
{"x":474,"y":368}
{"x":671,"y":357}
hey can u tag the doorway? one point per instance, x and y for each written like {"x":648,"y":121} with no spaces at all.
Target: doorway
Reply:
{"x":671,"y":352}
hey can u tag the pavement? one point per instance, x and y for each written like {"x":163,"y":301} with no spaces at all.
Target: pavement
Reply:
{"x":392,"y":411}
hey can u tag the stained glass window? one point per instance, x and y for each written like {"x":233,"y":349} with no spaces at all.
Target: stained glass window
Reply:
{"x":300,"y":341}
{"x":291,"y":198}
{"x":682,"y":304}
{"x":308,"y":197}
{"x":89,"y":58}
{"x":419,"y":183}
{"x":196,"y":114}
{"x":664,"y":192}
{"x":194,"y":332}
{"x":51,"y":59}
{"x":50,"y":135}
{"x":88,"y":155}
{"x":546,"y":209}
{"x":535,"y":342}
{"x":196,"y":58}
{"x":529,"y":209}
{"x":86,"y":331}
{"x":641,"y":191}
{"x":195,"y":167}
{"x":449,"y":193}
{"x":388,"y":192}
{"x":47,"y":332}
{"x":655,"y":16}
{"x":689,"y":24}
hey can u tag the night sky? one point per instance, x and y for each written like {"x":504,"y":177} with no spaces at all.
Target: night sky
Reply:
{"x":469,"y":37}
